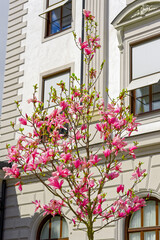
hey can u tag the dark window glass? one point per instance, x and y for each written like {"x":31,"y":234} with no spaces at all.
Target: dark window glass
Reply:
{"x":146,"y":99}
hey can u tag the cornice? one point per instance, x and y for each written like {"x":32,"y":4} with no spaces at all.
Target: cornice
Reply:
{"x":136,"y":12}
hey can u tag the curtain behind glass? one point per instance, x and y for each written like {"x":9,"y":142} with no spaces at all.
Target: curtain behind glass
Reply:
{"x":149,"y":212}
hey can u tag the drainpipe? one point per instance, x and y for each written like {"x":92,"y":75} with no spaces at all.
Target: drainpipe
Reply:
{"x":82,"y":37}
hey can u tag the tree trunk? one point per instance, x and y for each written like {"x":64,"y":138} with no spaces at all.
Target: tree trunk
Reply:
{"x":90,"y":234}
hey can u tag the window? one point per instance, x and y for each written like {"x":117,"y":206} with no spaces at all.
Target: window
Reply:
{"x":53,"y":228}
{"x":58,"y":19}
{"x":145,"y":76}
{"x":52,"y":80}
{"x":138,"y":31}
{"x":145,"y":223}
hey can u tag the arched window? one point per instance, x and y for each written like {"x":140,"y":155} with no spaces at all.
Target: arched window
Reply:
{"x":145,"y":223}
{"x":53,"y":228}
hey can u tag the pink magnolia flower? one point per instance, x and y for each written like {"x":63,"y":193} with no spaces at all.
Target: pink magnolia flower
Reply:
{"x":112,"y":175}
{"x":86,"y":13}
{"x":88,"y":51}
{"x":107,"y":152}
{"x":63,"y":172}
{"x":63,"y":105}
{"x":54,"y":183}
{"x":66,"y":157}
{"x":138,"y":173}
{"x":38,"y":205}
{"x":120,"y":188}
{"x":13,"y":171}
{"x":23,"y":121}
{"x":79,"y":136}
{"x":19,"y":184}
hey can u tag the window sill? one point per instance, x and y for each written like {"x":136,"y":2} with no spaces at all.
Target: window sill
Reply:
{"x":148,"y":117}
{"x":59,"y":34}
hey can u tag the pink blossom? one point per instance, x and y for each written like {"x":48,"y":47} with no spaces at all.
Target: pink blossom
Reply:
{"x":63,"y":105}
{"x":78,"y":135}
{"x":120,"y":188}
{"x":54,"y":183}
{"x":23,"y":121}
{"x":63,"y":172}
{"x":138,"y":173}
{"x":88,"y":51}
{"x":86,"y":13}
{"x":83,"y":127}
{"x":112,"y":175}
{"x":66,"y":157}
{"x":13,"y":171}
{"x":38,"y":205}
{"x":107,"y":152}
{"x":19,"y":184}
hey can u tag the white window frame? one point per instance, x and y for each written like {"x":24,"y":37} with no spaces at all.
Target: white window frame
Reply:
{"x":43,"y":15}
{"x":53,"y":72}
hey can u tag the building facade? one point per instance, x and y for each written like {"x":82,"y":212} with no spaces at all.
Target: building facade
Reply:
{"x":41,"y":50}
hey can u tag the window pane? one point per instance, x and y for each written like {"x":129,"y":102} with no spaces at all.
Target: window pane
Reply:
{"x":156,"y":96}
{"x":150,"y":236}
{"x":142,"y":100}
{"x":134,"y":236}
{"x":67,"y":16}
{"x":45,"y":231}
{"x":55,"y":227}
{"x":145,"y":58}
{"x":149,"y":214}
{"x":52,"y":81}
{"x":55,"y":21}
{"x":135,"y":220}
{"x":64,"y":228}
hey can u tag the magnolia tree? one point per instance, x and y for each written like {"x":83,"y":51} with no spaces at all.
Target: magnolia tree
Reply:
{"x":58,"y":148}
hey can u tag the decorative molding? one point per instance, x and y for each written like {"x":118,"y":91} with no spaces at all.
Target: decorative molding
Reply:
{"x":144,"y":9}
{"x":120,"y":36}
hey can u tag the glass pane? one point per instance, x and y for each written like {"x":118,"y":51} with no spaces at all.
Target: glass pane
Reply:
{"x":145,"y":58}
{"x":67,"y":16}
{"x":55,"y":21}
{"x":142,"y":100}
{"x":156,"y":101}
{"x":149,"y":212}
{"x":45,"y":231}
{"x":142,"y":92}
{"x":64,"y":228}
{"x":135,"y":220}
{"x":142,"y":105}
{"x":55,"y":227}
{"x":156,"y":88}
{"x":52,"y":81}
{"x":150,"y":235}
{"x":134,"y":236}
{"x":66,"y":22}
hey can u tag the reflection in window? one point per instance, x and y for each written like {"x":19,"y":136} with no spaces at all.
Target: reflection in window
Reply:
{"x":144,"y":224}
{"x":146,"y":99}
{"x":53,"y":228}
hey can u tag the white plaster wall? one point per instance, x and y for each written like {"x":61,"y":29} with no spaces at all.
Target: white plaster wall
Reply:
{"x":114,"y":54}
{"x":45,"y":56}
